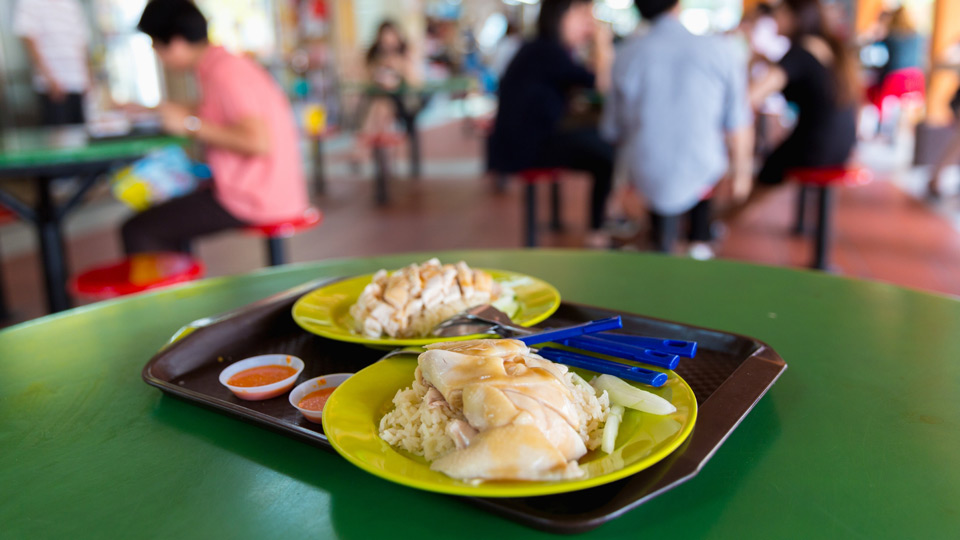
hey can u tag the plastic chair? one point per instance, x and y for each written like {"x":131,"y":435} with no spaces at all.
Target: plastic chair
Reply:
{"x":532,"y":177}
{"x":823,"y":180}
{"x":275,"y":233}
{"x":135,"y":274}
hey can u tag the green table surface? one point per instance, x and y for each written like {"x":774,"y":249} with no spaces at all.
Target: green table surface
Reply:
{"x":29,"y":147}
{"x":859,"y":437}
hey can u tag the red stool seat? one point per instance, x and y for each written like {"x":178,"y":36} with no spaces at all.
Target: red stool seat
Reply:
{"x":532,"y":177}
{"x":540,"y":175}
{"x":6,"y":216}
{"x":831,"y":176}
{"x":137,"y":273}
{"x":823,"y":180}
{"x":906,"y":83}
{"x":285,"y":229}
{"x":276,"y":232}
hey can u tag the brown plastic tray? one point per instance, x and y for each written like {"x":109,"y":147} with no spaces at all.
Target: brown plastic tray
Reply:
{"x":728,"y":376}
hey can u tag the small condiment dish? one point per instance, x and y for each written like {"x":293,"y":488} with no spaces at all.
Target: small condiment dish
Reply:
{"x":267,"y":391}
{"x":317,"y":383}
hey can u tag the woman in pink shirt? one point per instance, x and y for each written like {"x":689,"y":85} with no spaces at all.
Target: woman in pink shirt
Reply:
{"x":244,"y":121}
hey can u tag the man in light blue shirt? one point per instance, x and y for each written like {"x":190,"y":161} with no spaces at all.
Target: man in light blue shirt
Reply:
{"x":678,"y":110}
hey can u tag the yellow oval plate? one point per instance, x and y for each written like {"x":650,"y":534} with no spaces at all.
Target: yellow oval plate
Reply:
{"x":326,"y":311}
{"x":351,"y":420}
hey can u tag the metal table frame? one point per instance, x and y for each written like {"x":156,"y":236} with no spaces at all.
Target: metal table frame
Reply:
{"x":47,"y":215}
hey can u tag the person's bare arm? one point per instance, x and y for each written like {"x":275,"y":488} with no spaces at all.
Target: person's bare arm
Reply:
{"x":53,"y":87}
{"x":773,"y":81}
{"x":603,"y":56}
{"x":248,"y":135}
{"x":740,"y":146}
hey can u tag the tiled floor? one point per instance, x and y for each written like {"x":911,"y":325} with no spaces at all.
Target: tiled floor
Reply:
{"x":881,"y":232}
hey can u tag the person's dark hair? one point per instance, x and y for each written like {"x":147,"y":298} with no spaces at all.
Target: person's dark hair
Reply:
{"x":763,"y":9}
{"x":551,"y":15}
{"x":164,"y":20}
{"x":651,"y":9}
{"x":376,"y":49}
{"x":809,"y":21}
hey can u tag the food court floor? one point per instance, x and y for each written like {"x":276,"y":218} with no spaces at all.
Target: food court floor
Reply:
{"x":882,"y":232}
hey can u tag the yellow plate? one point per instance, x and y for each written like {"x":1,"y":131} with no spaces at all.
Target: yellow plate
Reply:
{"x":351,"y":420}
{"x":326,"y":311}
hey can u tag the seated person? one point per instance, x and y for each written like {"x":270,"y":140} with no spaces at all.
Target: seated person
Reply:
{"x":533,"y":100}
{"x":678,"y":109}
{"x":388,"y":70}
{"x":820,"y":76}
{"x":244,"y":121}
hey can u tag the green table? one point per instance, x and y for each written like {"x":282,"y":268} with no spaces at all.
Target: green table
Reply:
{"x":859,"y":437}
{"x":62,"y":152}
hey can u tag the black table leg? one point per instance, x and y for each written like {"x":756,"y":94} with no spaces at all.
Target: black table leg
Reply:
{"x":531,"y":217}
{"x":414,"y":135}
{"x":380,"y":174}
{"x":275,"y":254}
{"x":822,"y":243}
{"x":555,"y":224}
{"x":51,"y":248}
{"x":319,"y":174}
{"x":799,"y":228}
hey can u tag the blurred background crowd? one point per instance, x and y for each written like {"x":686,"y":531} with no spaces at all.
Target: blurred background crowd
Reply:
{"x":681,"y":127}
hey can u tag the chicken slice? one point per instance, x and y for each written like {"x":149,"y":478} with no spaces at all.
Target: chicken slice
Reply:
{"x":506,"y":348}
{"x":517,"y":451}
{"x":486,"y":406}
{"x":553,"y":426}
{"x":461,"y":433}
{"x":449,"y":371}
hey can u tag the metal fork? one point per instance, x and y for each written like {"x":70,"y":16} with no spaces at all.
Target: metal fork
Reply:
{"x":483,"y":319}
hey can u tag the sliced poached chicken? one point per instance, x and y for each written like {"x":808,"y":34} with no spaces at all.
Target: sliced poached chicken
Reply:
{"x":521,"y":419}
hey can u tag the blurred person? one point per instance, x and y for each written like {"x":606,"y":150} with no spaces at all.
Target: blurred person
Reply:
{"x":533,"y":100}
{"x":388,"y":69}
{"x":57,"y":38}
{"x":505,"y":49}
{"x":246,"y":125}
{"x":819,"y":74}
{"x":678,"y":109}
{"x":903,"y":43}
{"x":950,"y":156}
{"x":388,"y":66}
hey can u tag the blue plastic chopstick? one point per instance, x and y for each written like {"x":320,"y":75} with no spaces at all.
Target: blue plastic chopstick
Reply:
{"x":600,"y":325}
{"x":686,"y":349}
{"x":623,"y":350}
{"x":599,"y":365}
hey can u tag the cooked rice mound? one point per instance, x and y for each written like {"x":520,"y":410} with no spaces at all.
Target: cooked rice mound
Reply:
{"x":413,"y":300}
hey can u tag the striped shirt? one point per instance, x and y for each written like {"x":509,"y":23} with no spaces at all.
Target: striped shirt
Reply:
{"x":59,"y":29}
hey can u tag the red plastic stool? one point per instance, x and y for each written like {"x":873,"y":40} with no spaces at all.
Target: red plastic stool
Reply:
{"x":532,"y":177}
{"x":379,"y":143}
{"x":823,"y":180}
{"x":275,"y":233}
{"x":137,"y":273}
